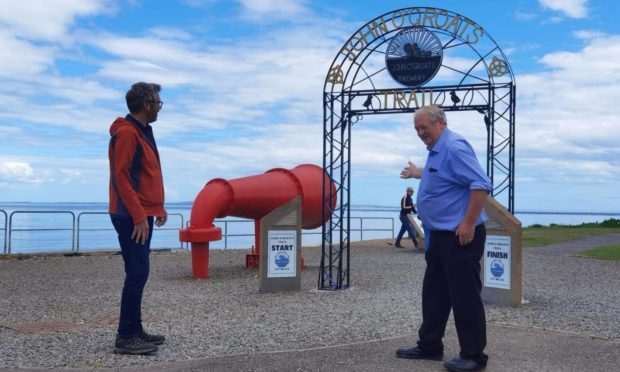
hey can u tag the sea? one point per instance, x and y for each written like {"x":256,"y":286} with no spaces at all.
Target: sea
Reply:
{"x":83,"y":227}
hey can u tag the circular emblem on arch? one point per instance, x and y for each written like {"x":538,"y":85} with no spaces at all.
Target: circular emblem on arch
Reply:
{"x":414,"y":56}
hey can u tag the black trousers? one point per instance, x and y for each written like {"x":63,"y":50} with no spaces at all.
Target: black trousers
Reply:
{"x":452,"y":281}
{"x":136,"y":258}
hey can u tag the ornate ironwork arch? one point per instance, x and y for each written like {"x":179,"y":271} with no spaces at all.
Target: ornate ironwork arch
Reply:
{"x":475,"y":76}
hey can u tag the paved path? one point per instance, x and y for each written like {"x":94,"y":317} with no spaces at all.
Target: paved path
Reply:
{"x":512,"y":348}
{"x":578,"y":245}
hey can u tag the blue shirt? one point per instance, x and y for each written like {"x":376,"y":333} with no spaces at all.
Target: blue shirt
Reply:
{"x":451,"y":172}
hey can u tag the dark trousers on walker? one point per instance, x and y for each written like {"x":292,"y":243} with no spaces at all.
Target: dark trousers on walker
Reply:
{"x":136,"y":258}
{"x":406,"y":226}
{"x":452,"y":281}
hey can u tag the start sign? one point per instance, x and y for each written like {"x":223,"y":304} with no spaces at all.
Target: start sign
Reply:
{"x":497,"y":262}
{"x":282,"y":253}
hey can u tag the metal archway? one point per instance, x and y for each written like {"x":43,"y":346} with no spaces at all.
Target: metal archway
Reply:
{"x":359,"y":83}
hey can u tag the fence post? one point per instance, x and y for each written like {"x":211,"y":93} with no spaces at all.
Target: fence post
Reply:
{"x":362,"y":228}
{"x":4,"y":231}
{"x":73,"y":249}
{"x":225,"y":234}
{"x":9,"y":233}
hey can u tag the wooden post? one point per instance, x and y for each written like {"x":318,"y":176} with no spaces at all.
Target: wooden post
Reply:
{"x":501,"y":262}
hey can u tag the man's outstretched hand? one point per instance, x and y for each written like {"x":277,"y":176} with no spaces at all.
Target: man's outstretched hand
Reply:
{"x":411,"y":171}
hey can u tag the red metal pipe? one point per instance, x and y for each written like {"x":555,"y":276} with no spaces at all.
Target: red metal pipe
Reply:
{"x":200,"y":260}
{"x":254,"y":197}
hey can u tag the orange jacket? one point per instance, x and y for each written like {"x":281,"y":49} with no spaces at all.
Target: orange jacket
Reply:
{"x":136,"y":183}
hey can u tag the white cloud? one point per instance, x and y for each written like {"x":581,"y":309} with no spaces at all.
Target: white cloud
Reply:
{"x":568,"y":126}
{"x":68,"y":178}
{"x":592,"y":66}
{"x":595,"y":171}
{"x":521,"y":15}
{"x":170,"y":33}
{"x":33,"y":35}
{"x":69,"y":175}
{"x":589,"y":34}
{"x":47,"y":21}
{"x":242,"y":81}
{"x":264,"y":10}
{"x":67,"y":115}
{"x":17,"y":171}
{"x":22,"y":58}
{"x":570,"y":8}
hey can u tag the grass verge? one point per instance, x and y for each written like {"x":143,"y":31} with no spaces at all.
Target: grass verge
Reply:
{"x":537,"y":237}
{"x":609,"y":252}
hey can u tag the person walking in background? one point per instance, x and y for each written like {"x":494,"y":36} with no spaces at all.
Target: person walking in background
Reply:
{"x":451,"y":197}
{"x":136,"y":203}
{"x":406,"y":208}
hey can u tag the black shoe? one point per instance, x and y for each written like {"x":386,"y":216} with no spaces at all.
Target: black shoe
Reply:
{"x":152,"y":339}
{"x":398,"y":246}
{"x":459,"y":364}
{"x":133,"y":346}
{"x":417,"y":353}
{"x":415,"y":244}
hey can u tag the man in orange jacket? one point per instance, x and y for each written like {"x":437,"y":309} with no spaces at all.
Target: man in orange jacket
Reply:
{"x":136,"y":203}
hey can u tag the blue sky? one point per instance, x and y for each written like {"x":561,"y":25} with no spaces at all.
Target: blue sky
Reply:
{"x":242,"y":85}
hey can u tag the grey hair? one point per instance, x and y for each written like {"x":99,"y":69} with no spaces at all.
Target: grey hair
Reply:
{"x":435,"y":114}
{"x":139,"y":94}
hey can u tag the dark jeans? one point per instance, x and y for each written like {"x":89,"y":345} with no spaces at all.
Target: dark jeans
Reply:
{"x":452,"y":281}
{"x":136,"y":258}
{"x":406,"y":226}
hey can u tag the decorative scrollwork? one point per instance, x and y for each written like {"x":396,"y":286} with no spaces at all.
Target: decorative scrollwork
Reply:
{"x":335,"y":75}
{"x":498,"y":67}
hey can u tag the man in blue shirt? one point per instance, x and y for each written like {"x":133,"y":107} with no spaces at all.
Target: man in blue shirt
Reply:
{"x":451,"y":197}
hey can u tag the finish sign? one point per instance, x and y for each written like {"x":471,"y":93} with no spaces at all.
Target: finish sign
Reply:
{"x":497,"y":262}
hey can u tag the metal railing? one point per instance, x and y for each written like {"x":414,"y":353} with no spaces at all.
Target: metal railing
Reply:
{"x":77,"y":227}
{"x":11,"y":229}
{"x":4,"y":230}
{"x":80,"y":229}
{"x":226,"y":234}
{"x":361,"y":229}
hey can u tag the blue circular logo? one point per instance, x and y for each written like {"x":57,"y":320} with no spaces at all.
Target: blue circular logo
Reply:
{"x":497,"y":268}
{"x":282,"y":259}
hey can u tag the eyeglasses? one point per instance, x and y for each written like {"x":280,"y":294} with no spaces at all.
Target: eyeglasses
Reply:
{"x":160,"y":103}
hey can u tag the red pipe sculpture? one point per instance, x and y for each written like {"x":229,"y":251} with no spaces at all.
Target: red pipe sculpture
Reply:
{"x":254,"y":197}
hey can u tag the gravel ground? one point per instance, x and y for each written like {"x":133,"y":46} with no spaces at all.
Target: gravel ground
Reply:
{"x":225,"y":315}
